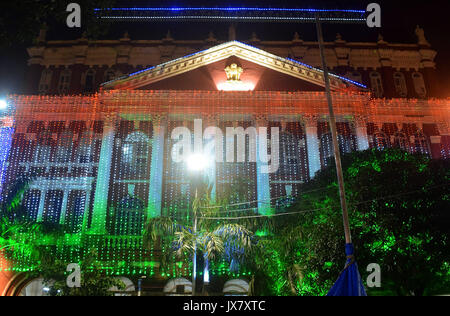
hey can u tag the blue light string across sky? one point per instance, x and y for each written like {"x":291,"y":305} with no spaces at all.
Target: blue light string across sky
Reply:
{"x":232,"y":9}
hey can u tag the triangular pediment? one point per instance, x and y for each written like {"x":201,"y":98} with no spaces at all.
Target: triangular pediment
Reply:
{"x":205,"y":71}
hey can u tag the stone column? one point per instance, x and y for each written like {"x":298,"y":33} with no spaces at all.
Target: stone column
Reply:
{"x":98,"y":225}
{"x":157,"y":168}
{"x":439,"y":142}
{"x":86,"y":212}
{"x":6,"y":136}
{"x":312,"y":144}
{"x":64,"y":207}
{"x":40,"y":214}
{"x":262,"y":179}
{"x":361,"y":133}
{"x":210,"y":145}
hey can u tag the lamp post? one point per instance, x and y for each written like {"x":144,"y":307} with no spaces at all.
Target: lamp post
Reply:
{"x":195,"y":163}
{"x":332,"y":120}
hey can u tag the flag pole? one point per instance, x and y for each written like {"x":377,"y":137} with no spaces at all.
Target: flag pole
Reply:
{"x":332,"y":121}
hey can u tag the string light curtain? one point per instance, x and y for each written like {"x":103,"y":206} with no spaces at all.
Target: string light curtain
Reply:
{"x":64,"y":145}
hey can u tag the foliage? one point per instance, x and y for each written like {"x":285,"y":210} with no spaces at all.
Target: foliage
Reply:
{"x":214,"y":239}
{"x":398,"y":205}
{"x":22,"y":20}
{"x":20,"y":237}
{"x":94,"y":282}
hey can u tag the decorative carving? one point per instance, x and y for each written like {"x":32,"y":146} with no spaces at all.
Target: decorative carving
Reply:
{"x":220,"y":52}
{"x":261,"y":120}
{"x":310,"y":120}
{"x":232,"y":32}
{"x":254,"y":38}
{"x":381,"y":39}
{"x":126,"y":37}
{"x":360,"y":121}
{"x":234,"y":72}
{"x":420,"y":33}
{"x":444,"y":128}
{"x":159,"y":119}
{"x":211,"y":37}
{"x":168,"y":36}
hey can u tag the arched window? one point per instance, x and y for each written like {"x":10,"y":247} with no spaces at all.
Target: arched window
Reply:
{"x":43,"y":149}
{"x":135,"y":154}
{"x":84,"y":153}
{"x":347,"y":144}
{"x":376,"y":84}
{"x":421,"y":144}
{"x":380,"y":141}
{"x":89,"y":81}
{"x":354,"y":75}
{"x":53,"y":206}
{"x":110,"y":75}
{"x":400,"y":84}
{"x":32,"y":199}
{"x":178,"y":287}
{"x":290,"y":156}
{"x":326,"y":148}
{"x":401,"y":141}
{"x":35,"y":287}
{"x":63,"y":153}
{"x":129,"y":287}
{"x":64,"y":81}
{"x":76,"y":207}
{"x":46,"y":81}
{"x":236,"y":287}
{"x":129,"y":217}
{"x":419,"y":84}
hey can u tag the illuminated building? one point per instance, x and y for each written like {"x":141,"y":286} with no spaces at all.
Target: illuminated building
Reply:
{"x":100,"y":154}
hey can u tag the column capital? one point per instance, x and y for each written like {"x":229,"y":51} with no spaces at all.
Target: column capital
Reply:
{"x":360,"y":121}
{"x":159,"y":119}
{"x":443,"y":127}
{"x":261,"y":120}
{"x":109,"y":119}
{"x":310,"y":121}
{"x":210,"y":119}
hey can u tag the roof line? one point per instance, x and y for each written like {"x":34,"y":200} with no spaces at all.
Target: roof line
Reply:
{"x":239,"y":43}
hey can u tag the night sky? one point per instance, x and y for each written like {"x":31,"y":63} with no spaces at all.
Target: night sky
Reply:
{"x":399,"y":21}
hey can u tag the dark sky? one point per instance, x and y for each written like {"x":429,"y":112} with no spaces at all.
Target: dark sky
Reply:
{"x":399,"y":21}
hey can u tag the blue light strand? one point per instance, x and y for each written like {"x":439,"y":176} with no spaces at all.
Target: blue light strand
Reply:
{"x":228,"y":18}
{"x":232,"y":9}
{"x":6,"y":136}
{"x":249,"y":46}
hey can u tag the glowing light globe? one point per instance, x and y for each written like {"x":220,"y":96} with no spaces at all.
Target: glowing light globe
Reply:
{"x":3,"y":104}
{"x":197,"y":162}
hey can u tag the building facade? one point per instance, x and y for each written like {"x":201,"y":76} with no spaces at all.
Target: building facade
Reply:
{"x":96,"y":131}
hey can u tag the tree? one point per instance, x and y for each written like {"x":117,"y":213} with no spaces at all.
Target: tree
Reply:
{"x":18,"y":234}
{"x":21,"y":20}
{"x":213,"y":239}
{"x":94,"y":281}
{"x":399,"y":214}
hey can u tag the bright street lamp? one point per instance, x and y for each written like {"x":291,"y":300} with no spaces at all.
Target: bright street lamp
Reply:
{"x":3,"y":104}
{"x":197,"y":162}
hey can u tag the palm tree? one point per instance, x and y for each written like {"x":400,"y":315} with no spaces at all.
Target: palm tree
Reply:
{"x":15,"y":228}
{"x":212,"y":238}
{"x":20,"y":235}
